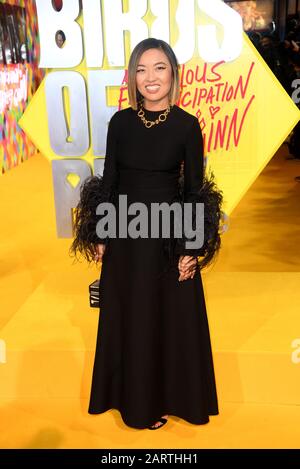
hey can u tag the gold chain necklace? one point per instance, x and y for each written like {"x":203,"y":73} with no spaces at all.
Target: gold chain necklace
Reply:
{"x":161,"y":118}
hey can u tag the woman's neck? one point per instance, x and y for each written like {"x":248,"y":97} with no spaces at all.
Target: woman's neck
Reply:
{"x":160,"y":106}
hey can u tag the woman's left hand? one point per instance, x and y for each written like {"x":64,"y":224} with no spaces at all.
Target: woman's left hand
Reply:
{"x":187,"y":267}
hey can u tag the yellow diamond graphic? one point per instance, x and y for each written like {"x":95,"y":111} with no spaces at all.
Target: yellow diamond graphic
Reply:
{"x":73,"y":179}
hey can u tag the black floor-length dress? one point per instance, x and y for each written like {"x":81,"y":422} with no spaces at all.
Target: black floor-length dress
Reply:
{"x":153,"y":352}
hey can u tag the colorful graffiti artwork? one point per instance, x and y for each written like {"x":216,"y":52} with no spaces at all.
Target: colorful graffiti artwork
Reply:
{"x":18,"y":83}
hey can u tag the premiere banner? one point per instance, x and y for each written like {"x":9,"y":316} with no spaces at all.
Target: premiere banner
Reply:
{"x":244,"y":112}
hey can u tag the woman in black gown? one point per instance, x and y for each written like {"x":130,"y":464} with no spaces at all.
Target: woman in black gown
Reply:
{"x":153,"y":354}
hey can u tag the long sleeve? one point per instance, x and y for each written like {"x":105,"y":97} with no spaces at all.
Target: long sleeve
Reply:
{"x":198,"y":187}
{"x":110,"y":171}
{"x":96,"y":189}
{"x":193,"y":161}
{"x":193,"y":174}
{"x":109,"y":180}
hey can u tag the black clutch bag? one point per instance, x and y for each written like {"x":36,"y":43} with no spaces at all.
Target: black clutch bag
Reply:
{"x":94,"y":294}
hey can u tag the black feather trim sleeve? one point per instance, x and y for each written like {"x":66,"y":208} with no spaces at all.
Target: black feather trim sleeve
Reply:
{"x":92,"y":193}
{"x":212,"y":198}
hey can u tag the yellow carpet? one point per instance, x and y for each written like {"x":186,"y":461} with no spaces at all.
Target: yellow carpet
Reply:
{"x":48,"y":331}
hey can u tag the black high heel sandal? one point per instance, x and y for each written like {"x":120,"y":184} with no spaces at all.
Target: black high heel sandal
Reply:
{"x":163,"y":420}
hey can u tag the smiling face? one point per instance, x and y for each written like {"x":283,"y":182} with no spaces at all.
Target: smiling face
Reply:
{"x":154,"y":79}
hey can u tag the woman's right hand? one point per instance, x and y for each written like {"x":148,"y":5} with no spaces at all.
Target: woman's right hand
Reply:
{"x":99,"y":252}
{"x":187,"y":266}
